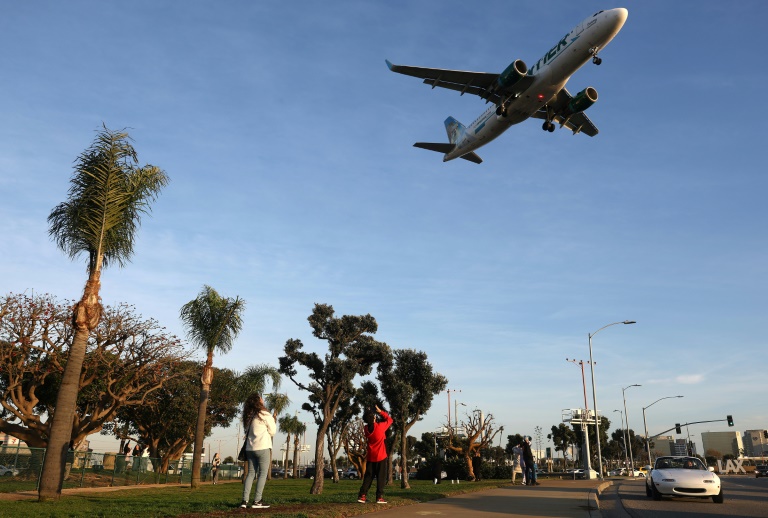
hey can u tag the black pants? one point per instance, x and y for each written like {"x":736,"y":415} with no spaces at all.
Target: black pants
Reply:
{"x":379,"y":470}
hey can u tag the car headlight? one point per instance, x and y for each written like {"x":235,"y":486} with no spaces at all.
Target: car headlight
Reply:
{"x":667,"y":479}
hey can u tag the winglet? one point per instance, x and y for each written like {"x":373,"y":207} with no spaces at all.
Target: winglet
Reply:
{"x":389,"y":64}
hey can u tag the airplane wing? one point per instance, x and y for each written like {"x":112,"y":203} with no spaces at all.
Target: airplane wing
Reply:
{"x":482,"y":84}
{"x":578,"y":122}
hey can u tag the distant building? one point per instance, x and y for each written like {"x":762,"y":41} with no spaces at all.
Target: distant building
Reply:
{"x":727,"y":443}
{"x":755,"y":443}
{"x":663,"y":445}
{"x":680,"y":447}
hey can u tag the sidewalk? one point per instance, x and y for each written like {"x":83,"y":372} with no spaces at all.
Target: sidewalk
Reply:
{"x":553,"y":498}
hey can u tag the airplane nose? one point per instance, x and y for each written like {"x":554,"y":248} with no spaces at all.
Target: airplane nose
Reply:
{"x":618,"y":16}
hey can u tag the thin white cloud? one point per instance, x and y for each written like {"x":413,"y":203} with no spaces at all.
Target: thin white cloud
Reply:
{"x":690,"y":379}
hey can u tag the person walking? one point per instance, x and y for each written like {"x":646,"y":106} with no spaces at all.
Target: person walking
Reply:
{"x":258,"y":449}
{"x":517,"y":463}
{"x":136,"y":455}
{"x":477,"y":466}
{"x":530,"y":467}
{"x":376,"y":457}
{"x":437,"y":466}
{"x":215,"y":463}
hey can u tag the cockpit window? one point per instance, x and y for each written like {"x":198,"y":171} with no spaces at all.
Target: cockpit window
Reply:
{"x":598,"y":12}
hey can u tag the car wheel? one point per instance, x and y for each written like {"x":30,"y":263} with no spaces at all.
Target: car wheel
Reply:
{"x":718,"y":498}
{"x":648,"y":491}
{"x":655,"y":492}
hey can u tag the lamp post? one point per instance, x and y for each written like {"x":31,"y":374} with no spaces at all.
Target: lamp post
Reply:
{"x":645,"y":425}
{"x":624,"y":436}
{"x":585,"y":449}
{"x":449,"y":405}
{"x":631,"y":458}
{"x":594,"y":396}
{"x":456,"y":413}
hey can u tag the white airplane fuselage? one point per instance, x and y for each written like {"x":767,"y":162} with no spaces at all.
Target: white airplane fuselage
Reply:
{"x":550,"y":74}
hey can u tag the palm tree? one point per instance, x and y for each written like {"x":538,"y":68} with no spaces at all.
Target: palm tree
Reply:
{"x":255,"y":378}
{"x":108,"y":194}
{"x":284,"y":424}
{"x":277,"y":403}
{"x":213,"y":322}
{"x":290,"y":425}
{"x":298,"y":432}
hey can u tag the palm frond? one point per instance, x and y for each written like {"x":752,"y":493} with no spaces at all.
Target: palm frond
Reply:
{"x":212,"y":321}
{"x":107,"y":196}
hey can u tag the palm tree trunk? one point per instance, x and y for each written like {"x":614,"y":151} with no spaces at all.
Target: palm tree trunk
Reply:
{"x":296,"y":440}
{"x":85,"y":317}
{"x":202,"y":409}
{"x":287,"y":451}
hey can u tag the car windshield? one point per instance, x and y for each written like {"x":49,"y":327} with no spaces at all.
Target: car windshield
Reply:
{"x":679,"y":463}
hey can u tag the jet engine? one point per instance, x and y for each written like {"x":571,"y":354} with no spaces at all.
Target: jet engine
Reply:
{"x":512,"y":74}
{"x":581,"y":101}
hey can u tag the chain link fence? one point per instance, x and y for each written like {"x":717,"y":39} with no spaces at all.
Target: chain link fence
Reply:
{"x":20,"y":468}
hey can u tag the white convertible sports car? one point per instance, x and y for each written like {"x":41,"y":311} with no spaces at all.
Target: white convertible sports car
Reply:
{"x":683,"y":476}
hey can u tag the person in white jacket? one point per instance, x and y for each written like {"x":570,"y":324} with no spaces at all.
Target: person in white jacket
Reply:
{"x":260,"y":426}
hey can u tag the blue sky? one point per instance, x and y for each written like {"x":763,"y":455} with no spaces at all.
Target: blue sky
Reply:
{"x":294,"y":181}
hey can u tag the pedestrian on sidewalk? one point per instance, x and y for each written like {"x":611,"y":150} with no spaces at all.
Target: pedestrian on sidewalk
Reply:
{"x":517,"y":463}
{"x":530,"y":466}
{"x":376,"y":457}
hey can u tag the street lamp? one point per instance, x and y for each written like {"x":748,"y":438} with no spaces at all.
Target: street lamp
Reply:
{"x":585,"y":448}
{"x":624,"y":436}
{"x":594,"y":395}
{"x":645,"y":425}
{"x":631,"y":458}
{"x":456,"y":413}
{"x":449,"y":405}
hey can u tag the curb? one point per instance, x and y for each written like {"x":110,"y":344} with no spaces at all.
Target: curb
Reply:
{"x":593,"y":497}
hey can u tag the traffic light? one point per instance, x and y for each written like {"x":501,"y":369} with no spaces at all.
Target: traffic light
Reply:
{"x":730,"y":420}
{"x":765,"y":434}
{"x":677,"y":428}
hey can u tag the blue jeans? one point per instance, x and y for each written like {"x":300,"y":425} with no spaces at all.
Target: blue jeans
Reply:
{"x":257,"y":461}
{"x":530,"y":473}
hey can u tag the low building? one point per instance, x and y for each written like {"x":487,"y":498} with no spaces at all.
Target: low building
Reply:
{"x":662,"y":445}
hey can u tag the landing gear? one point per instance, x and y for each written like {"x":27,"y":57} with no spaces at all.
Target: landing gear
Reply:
{"x":501,"y":110}
{"x":593,"y":52}
{"x":548,"y":126}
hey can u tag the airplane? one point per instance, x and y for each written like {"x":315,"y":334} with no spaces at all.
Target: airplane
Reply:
{"x":519,"y":92}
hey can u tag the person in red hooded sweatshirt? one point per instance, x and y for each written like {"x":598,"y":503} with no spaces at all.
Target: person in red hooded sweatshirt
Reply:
{"x":376,"y":458}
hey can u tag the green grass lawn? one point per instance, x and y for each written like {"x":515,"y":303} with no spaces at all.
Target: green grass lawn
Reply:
{"x":288,"y":498}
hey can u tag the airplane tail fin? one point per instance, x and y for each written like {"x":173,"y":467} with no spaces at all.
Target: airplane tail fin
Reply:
{"x":455,"y":131}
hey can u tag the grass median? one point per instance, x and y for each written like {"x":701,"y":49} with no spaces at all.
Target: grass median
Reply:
{"x":288,"y":499}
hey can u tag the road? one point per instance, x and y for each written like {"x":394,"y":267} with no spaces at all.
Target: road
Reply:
{"x":744,"y":497}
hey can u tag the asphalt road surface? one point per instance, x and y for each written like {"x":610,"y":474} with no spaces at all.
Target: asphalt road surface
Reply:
{"x":744,"y":497}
